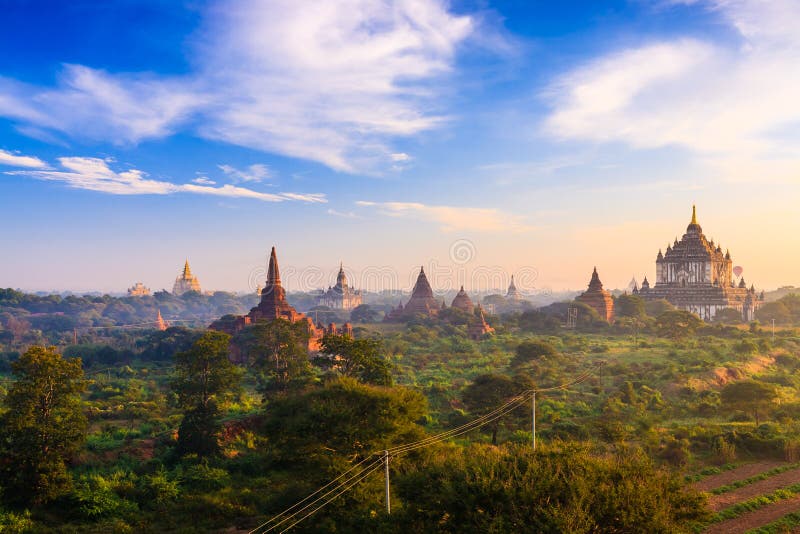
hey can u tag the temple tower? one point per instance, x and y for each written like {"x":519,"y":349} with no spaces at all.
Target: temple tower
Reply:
{"x":598,"y":298}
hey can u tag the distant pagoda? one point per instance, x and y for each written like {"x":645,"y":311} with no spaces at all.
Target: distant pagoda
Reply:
{"x":422,"y":301}
{"x":186,"y":281}
{"x":463,"y":302}
{"x":478,"y":328}
{"x":598,"y":298}
{"x":695,"y":275}
{"x":341,"y":296}
{"x":513,"y":293}
{"x":138,"y":290}
{"x":161,"y":324}
{"x":273,"y":305}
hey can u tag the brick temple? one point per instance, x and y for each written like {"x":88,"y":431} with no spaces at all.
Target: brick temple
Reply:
{"x":273,"y":305}
{"x":695,"y":275}
{"x":598,"y":298}
{"x":422,"y":301}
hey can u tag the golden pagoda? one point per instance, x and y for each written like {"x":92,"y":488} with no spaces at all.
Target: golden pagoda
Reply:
{"x":186,"y":281}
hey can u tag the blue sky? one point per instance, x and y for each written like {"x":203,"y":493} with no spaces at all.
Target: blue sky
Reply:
{"x":543,"y":138}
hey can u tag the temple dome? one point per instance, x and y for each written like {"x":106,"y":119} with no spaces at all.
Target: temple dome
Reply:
{"x":463,"y":302}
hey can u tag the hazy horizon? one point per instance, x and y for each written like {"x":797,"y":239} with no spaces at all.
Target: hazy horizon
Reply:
{"x":545,"y":138}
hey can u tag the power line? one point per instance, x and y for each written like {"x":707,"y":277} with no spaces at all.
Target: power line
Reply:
{"x":345,"y":485}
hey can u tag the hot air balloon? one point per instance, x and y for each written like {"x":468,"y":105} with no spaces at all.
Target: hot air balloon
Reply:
{"x":738,"y":271}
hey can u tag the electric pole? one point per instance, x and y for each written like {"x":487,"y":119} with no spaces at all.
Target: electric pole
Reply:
{"x":533,"y":419}
{"x":386,"y":471}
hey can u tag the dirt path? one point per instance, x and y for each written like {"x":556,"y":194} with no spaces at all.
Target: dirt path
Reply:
{"x":756,"y":518}
{"x":746,"y":471}
{"x":762,"y":487}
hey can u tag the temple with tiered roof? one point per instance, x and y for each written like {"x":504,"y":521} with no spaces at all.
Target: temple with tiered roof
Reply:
{"x":273,"y":305}
{"x":463,"y":302}
{"x":422,"y":301}
{"x":186,"y":281}
{"x":341,"y":296}
{"x":693,"y":274}
{"x":598,"y":298}
{"x":513,"y":293}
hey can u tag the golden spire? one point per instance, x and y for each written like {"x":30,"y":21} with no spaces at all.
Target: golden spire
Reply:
{"x":694,"y":214}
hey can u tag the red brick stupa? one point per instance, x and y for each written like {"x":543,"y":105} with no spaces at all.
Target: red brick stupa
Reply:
{"x":598,"y":298}
{"x":274,"y":306}
{"x":463,"y":302}
{"x":421,"y":302}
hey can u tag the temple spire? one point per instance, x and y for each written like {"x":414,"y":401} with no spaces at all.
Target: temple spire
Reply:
{"x":273,"y":273}
{"x":694,"y":214}
{"x":187,"y":271}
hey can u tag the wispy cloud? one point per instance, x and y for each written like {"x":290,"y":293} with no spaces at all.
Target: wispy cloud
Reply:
{"x":343,"y":214}
{"x":453,"y":218}
{"x":95,"y":174}
{"x":723,"y":103}
{"x":203,"y":180}
{"x":16,"y":160}
{"x":333,"y":82}
{"x":253,"y":173}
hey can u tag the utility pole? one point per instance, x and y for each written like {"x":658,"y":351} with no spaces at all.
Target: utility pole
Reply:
{"x":386,"y":471}
{"x":533,"y":419}
{"x":773,"y":330}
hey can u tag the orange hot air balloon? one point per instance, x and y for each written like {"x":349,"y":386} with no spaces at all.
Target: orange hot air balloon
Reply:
{"x":738,"y":271}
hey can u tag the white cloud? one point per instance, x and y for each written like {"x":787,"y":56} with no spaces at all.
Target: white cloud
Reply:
{"x":453,"y":218}
{"x":95,"y":174}
{"x":332,"y":82}
{"x":203,"y":180}
{"x":254,"y":173}
{"x":720,"y":102}
{"x":343,"y":214}
{"x":15,"y":160}
{"x":400,"y":157}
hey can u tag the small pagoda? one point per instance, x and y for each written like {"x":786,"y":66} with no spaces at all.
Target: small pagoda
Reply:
{"x":598,"y":298}
{"x":513,"y":293}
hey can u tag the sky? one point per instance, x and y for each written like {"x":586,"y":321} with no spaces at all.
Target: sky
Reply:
{"x":475,"y":138}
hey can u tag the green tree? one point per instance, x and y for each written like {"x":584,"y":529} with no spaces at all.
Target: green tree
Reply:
{"x":528,"y":351}
{"x":43,"y":427}
{"x":629,"y":306}
{"x":277,"y":351}
{"x":204,"y":376}
{"x":572,"y":489}
{"x":343,"y":418}
{"x":728,"y":316}
{"x":358,"y":358}
{"x":749,"y":395}
{"x":654,"y":308}
{"x":488,"y":392}
{"x":678,"y":324}
{"x":364,"y":314}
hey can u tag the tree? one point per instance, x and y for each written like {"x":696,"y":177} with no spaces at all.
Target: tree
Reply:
{"x":728,"y":316}
{"x":204,"y":376}
{"x":654,"y":308}
{"x":749,"y":395}
{"x":571,"y":489}
{"x":488,"y":392}
{"x":43,"y":427}
{"x":678,"y":324}
{"x":528,"y":351}
{"x":364,"y":313}
{"x":344,"y":418}
{"x":278,"y":353}
{"x":358,"y":358}
{"x":629,"y":306}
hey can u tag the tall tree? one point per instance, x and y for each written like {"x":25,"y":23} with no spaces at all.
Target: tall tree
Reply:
{"x":749,"y":395}
{"x":43,"y":427}
{"x":488,"y":392}
{"x":204,"y":376}
{"x":359,"y":358}
{"x":278,"y":353}
{"x":678,"y":324}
